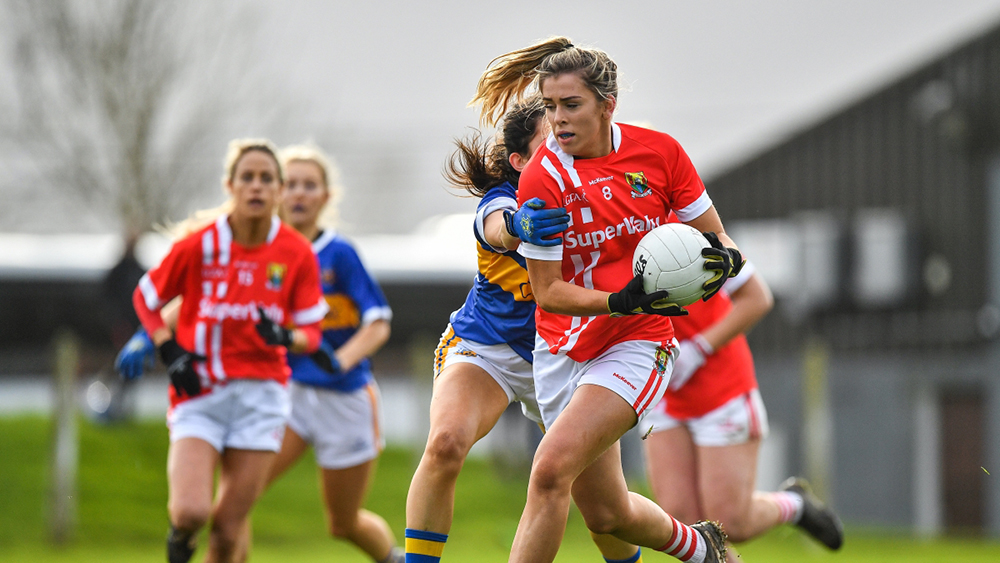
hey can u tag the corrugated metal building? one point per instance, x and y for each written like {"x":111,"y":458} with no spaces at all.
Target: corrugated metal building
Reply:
{"x":879,"y":229}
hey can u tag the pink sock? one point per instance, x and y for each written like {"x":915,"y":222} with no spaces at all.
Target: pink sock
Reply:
{"x":789,"y":505}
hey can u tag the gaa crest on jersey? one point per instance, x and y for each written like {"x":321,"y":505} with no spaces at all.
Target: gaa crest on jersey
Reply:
{"x":637,"y":180}
{"x":275,"y":276}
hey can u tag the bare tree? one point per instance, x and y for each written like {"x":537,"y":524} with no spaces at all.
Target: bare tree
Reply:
{"x":126,"y":103}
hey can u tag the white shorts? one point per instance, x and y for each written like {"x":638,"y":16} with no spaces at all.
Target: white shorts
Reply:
{"x":511,"y":372}
{"x":740,"y":420}
{"x":636,"y":370}
{"x":242,"y":414}
{"x":345,"y":429}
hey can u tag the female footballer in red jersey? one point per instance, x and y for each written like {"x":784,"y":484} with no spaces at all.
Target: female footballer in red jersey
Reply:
{"x":243,"y":278}
{"x":704,"y":436}
{"x":483,"y":361}
{"x":596,"y":374}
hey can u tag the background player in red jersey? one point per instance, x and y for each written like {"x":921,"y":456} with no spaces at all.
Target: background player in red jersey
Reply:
{"x":336,"y":407}
{"x":243,"y":278}
{"x":597,"y":375}
{"x":703,"y":438}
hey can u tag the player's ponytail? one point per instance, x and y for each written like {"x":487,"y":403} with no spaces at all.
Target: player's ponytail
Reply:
{"x":509,"y":76}
{"x":477,"y":165}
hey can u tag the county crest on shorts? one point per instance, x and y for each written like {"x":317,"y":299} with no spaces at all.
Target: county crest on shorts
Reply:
{"x":637,"y":180}
{"x":662,"y":356}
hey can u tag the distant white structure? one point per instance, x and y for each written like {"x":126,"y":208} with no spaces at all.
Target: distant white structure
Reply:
{"x":439,"y":250}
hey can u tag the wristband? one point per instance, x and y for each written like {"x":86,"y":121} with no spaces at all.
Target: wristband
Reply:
{"x":702,"y":343}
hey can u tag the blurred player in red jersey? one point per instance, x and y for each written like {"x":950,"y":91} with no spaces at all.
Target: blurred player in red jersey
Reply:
{"x":704,"y":436}
{"x":604,"y":349}
{"x":244,"y":280}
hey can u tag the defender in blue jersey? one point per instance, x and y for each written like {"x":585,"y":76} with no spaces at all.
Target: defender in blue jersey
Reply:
{"x":336,"y":405}
{"x":483,"y":361}
{"x":355,"y":301}
{"x":500,"y":308}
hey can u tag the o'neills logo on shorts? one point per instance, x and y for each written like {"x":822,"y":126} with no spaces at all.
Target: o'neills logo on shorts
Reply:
{"x":627,"y":382}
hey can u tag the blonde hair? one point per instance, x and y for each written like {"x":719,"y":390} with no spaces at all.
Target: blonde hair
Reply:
{"x":508,"y":77}
{"x":309,"y":152}
{"x":204,"y":217}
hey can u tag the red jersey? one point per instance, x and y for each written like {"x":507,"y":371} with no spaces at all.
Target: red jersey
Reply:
{"x":612,"y":202}
{"x":223,"y":284}
{"x":726,"y":374}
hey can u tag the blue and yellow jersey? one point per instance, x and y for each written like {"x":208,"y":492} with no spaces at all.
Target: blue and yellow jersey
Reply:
{"x":355,"y":300}
{"x":500,"y":308}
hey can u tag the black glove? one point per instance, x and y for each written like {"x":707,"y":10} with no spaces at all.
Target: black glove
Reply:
{"x":726,"y":262}
{"x":326,"y":358}
{"x":632,"y":300}
{"x":180,"y":368}
{"x":272,"y":333}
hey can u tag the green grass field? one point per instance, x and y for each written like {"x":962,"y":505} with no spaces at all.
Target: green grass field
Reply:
{"x":121,"y":512}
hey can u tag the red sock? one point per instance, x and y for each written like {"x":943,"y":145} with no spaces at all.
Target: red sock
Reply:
{"x":685,"y":543}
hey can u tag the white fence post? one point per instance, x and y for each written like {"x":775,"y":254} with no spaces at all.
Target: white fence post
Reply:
{"x":65,"y":443}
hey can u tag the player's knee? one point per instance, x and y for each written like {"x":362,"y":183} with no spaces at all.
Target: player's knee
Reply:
{"x":548,"y":474}
{"x":446,"y":449}
{"x":189,"y":518}
{"x":602,"y":520}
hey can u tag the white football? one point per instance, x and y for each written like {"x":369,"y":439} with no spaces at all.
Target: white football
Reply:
{"x":669,"y":257}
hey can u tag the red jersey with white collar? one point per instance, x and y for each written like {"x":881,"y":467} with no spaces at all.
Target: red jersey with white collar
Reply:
{"x":223,"y":284}
{"x":612,"y":201}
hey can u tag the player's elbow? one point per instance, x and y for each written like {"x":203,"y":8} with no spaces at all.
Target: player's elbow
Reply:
{"x":383,"y":330}
{"x":545,"y":302}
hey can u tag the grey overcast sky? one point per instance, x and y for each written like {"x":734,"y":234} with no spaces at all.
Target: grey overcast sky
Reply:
{"x":384,"y":85}
{"x":726,"y":78}
{"x":721,"y":76}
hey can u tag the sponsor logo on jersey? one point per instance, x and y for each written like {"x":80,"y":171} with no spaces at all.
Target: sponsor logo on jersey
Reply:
{"x":628,"y":225}
{"x":640,"y":188}
{"x":210,"y":309}
{"x":605,"y":179}
{"x":627,"y":382}
{"x":275,"y":276}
